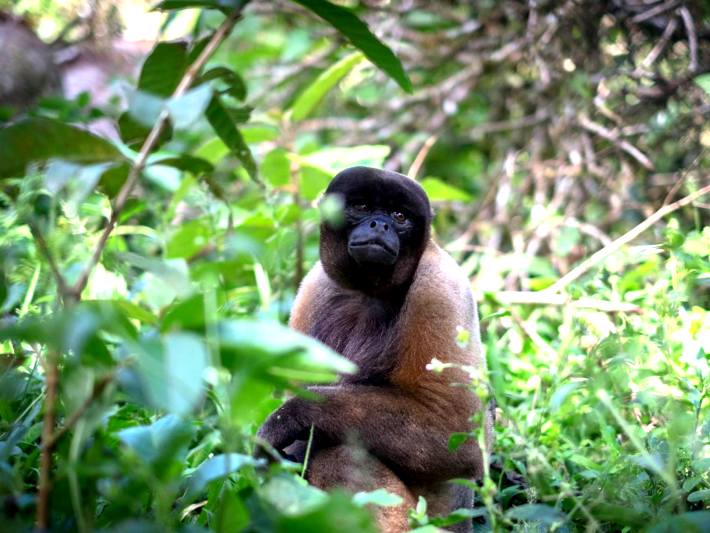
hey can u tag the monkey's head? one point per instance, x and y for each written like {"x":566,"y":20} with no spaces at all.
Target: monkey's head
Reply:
{"x":377,"y":245}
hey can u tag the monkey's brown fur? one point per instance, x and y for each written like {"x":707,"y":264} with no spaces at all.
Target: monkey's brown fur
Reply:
{"x":400,"y":413}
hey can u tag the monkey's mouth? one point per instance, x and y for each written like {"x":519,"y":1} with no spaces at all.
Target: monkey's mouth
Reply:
{"x":373,"y":251}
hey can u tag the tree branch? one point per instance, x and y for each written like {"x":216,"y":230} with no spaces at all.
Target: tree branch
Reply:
{"x":630,"y":235}
{"x":64,"y":290}
{"x":150,"y":142}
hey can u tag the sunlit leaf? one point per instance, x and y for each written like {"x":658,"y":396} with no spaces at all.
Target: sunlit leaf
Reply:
{"x":439,"y":191}
{"x":311,"y":95}
{"x":217,"y":467}
{"x":171,"y":371}
{"x":36,"y":140}
{"x":347,"y":23}
{"x":223,"y":124}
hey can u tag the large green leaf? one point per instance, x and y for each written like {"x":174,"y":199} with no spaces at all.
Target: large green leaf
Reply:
{"x":217,"y":467}
{"x":171,"y":370}
{"x":223,"y":124}
{"x":159,"y":444}
{"x":163,"y":69}
{"x":440,"y":191}
{"x":345,"y":21}
{"x":36,"y":140}
{"x":309,"y":98}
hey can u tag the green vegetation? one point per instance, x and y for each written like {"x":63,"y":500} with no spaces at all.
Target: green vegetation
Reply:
{"x":145,"y":280}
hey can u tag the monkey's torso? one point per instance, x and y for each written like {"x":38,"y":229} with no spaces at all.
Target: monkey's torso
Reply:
{"x":392,"y":343}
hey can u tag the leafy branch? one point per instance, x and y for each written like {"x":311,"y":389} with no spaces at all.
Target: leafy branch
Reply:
{"x":73,"y":293}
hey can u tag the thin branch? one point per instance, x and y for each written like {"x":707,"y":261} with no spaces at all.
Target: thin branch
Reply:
{"x":545,"y":298}
{"x":654,"y":11}
{"x":613,"y":137}
{"x":650,"y":59}
{"x":421,"y":156}
{"x":150,"y":142}
{"x":64,"y":290}
{"x":630,"y":235}
{"x":97,"y":390}
{"x":51,"y":377}
{"x":49,"y":436}
{"x":692,"y":37}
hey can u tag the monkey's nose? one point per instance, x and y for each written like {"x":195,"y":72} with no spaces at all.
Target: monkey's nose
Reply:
{"x":383,"y":225}
{"x":379,"y":225}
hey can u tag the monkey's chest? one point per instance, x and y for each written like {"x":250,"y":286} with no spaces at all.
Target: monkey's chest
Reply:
{"x":362,"y":330}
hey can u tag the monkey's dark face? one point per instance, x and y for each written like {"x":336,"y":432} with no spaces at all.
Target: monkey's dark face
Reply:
{"x":385,"y":229}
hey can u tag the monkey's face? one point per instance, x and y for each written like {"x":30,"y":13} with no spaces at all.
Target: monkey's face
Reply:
{"x":385,"y":227}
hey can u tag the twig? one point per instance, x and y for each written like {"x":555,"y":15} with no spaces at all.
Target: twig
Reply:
{"x":421,"y":156}
{"x":528,"y":121}
{"x":650,"y":59}
{"x":630,"y":235}
{"x":545,"y":298}
{"x":611,"y":136}
{"x":692,"y":37}
{"x":97,"y":390}
{"x":654,"y":11}
{"x":64,"y":290}
{"x":49,"y":437}
{"x":150,"y":142}
{"x":51,"y":377}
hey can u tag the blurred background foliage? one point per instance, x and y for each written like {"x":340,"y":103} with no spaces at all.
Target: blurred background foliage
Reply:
{"x":542,"y":131}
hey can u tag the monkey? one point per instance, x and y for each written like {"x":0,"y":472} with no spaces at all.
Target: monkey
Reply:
{"x":387,"y":297}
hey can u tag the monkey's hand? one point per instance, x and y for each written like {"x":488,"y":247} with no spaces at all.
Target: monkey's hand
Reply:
{"x":289,"y":423}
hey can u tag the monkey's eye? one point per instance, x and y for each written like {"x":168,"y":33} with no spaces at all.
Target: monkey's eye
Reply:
{"x":360,"y":208}
{"x":399,"y":217}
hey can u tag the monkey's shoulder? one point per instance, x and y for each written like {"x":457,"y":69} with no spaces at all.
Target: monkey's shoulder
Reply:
{"x":439,"y":280}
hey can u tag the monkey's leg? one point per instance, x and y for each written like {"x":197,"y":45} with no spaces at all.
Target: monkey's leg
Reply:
{"x":353,"y":469}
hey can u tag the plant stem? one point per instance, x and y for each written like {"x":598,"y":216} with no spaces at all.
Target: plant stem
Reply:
{"x":73,"y":294}
{"x":51,"y":376}
{"x":627,"y":237}
{"x":139,"y":163}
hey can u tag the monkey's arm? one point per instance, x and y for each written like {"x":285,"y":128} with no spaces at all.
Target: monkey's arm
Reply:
{"x":407,"y":430}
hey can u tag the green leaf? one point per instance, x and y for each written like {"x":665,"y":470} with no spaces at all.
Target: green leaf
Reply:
{"x":280,"y":352}
{"x":336,"y":513}
{"x":235,"y":84}
{"x":163,"y":69}
{"x":186,"y":109}
{"x":345,"y":21}
{"x":380,"y":497}
{"x":276,"y":167}
{"x":561,"y":394}
{"x":188,"y":239}
{"x":314,"y":93}
{"x":36,"y":140}
{"x":217,"y":467}
{"x":223,"y":5}
{"x":699,"y":496}
{"x":160,"y":443}
{"x":694,"y":522}
{"x":223,"y":125}
{"x":703,"y":81}
{"x":456,"y":440}
{"x":186,"y":163}
{"x":438,"y":191}
{"x":171,"y":371}
{"x":535,"y":512}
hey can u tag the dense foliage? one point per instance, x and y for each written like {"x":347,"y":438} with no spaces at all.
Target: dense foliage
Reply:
{"x":145,"y":278}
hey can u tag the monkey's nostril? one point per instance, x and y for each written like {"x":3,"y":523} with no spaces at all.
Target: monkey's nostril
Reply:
{"x":386,"y":227}
{"x":373,"y":224}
